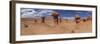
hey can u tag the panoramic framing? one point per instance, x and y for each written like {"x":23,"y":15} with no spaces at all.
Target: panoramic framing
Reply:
{"x":38,"y":21}
{"x":49,"y":21}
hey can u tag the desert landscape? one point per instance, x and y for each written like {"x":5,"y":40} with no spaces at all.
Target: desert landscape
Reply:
{"x":53,"y":24}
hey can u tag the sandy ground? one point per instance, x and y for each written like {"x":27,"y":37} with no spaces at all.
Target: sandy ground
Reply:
{"x":51,"y":28}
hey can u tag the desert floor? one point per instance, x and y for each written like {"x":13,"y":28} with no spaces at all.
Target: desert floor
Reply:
{"x":51,"y":28}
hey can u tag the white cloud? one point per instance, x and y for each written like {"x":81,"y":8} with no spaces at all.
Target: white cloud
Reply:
{"x":69,"y":18}
{"x":31,"y":13}
{"x":26,"y":10}
{"x":45,"y":12}
{"x":28,"y":13}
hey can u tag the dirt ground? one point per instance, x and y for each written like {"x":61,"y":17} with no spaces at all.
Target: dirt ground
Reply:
{"x":52,"y":28}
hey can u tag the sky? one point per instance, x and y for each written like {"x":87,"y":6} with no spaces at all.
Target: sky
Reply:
{"x":35,"y":12}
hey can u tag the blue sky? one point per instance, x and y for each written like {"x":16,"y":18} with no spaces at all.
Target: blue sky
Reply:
{"x":71,"y":13}
{"x":29,"y":12}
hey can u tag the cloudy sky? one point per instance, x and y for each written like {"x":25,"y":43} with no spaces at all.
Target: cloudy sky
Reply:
{"x":34,"y":12}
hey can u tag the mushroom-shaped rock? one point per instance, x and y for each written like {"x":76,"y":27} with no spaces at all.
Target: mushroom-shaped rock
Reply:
{"x":89,"y":18}
{"x":77,"y":19}
{"x":55,"y":17}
